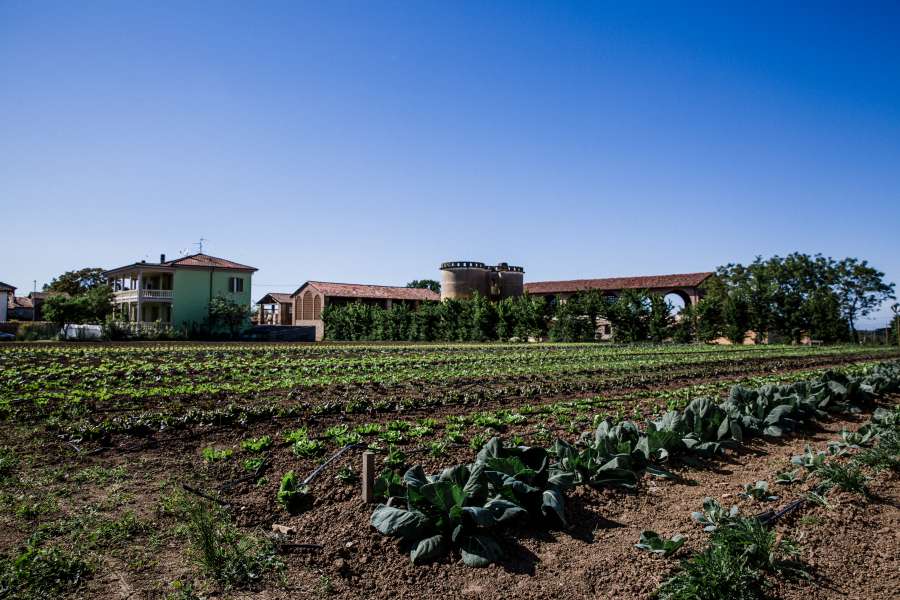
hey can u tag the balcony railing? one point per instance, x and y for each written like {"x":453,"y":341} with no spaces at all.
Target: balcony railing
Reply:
{"x":134,"y":295}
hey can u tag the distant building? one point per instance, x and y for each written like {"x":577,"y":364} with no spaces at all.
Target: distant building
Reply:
{"x":177,"y":292}
{"x":686,"y":286}
{"x":462,"y":279}
{"x":313,"y":296}
{"x":6,"y":292}
{"x":276,"y":309}
{"x":26,"y":308}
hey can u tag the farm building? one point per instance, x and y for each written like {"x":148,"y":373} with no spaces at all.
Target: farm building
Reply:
{"x":313,"y":296}
{"x":177,"y":292}
{"x":26,"y":308}
{"x":6,"y":292}
{"x":686,"y":286}
{"x":276,"y":309}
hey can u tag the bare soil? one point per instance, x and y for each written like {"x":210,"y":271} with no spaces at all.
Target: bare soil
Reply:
{"x":852,"y":549}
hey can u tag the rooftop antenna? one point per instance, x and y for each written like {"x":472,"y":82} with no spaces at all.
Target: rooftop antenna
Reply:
{"x":200,"y":244}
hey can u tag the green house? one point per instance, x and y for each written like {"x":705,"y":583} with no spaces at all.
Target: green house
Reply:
{"x":177,"y":292}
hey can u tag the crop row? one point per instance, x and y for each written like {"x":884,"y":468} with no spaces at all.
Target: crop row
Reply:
{"x":464,"y":508}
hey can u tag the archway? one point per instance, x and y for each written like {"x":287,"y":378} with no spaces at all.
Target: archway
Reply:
{"x":678,"y":299}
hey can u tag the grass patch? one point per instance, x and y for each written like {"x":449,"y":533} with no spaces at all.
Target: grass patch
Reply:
{"x":224,"y":554}
{"x":41,"y":573}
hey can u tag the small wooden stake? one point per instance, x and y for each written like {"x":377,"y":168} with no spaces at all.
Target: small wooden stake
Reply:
{"x":368,"y":477}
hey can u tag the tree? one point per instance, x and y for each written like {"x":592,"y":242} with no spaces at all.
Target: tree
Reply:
{"x":629,"y":315}
{"x":425,"y":284}
{"x":860,"y":290}
{"x":75,"y":283}
{"x":91,"y":306}
{"x":224,"y":312}
{"x":895,"y":322}
{"x":660,"y":322}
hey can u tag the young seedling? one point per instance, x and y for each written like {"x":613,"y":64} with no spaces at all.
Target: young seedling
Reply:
{"x":652,"y":542}
{"x":758,"y":491}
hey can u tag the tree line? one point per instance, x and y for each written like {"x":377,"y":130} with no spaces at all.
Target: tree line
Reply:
{"x":781,"y":298}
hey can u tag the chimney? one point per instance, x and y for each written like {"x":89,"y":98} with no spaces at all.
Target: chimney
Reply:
{"x":162,"y":258}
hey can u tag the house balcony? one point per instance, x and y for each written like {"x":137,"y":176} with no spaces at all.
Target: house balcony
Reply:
{"x":143,"y":295}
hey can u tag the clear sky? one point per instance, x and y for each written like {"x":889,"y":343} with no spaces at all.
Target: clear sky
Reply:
{"x":369,"y":141}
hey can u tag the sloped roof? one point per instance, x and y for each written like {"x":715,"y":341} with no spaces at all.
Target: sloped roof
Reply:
{"x":275,"y":297}
{"x":192,"y":261}
{"x":618,"y":283}
{"x":6,"y":287}
{"x":376,"y":292}
{"x":205,"y":260}
{"x":18,"y":302}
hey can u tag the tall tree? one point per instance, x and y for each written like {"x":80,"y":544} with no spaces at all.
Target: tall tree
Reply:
{"x":75,"y":283}
{"x":860,"y":290}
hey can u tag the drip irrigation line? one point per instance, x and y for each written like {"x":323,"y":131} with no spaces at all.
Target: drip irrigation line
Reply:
{"x":333,"y":457}
{"x":770,"y":517}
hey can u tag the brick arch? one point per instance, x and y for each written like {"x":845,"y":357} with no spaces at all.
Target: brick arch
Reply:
{"x":307,"y":306}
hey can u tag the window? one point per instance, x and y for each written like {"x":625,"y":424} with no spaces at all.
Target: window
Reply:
{"x":235,"y":284}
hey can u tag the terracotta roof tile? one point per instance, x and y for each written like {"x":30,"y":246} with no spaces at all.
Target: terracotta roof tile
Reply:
{"x":618,"y":283}
{"x":204,"y":260}
{"x":377,"y":292}
{"x":276,"y":297}
{"x":18,"y":302}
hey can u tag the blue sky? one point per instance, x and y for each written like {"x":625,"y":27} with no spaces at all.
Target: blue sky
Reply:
{"x":369,"y":141}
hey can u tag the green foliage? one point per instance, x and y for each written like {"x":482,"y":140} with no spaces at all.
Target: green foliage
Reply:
{"x":256,"y":445}
{"x":47,"y":572}
{"x":792,"y":295}
{"x":425,"y":284}
{"x":741,"y":553}
{"x":292,"y":495}
{"x":714,"y":574}
{"x":225,"y":313}
{"x":758,"y":491}
{"x":90,"y":306}
{"x":473,"y":320}
{"x":849,"y":478}
{"x":76,"y":283}
{"x":652,"y":542}
{"x":232,"y":559}
{"x":466,"y":507}
{"x":211,"y":454}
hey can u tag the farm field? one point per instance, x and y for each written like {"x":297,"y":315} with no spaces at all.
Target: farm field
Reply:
{"x":118,"y":461}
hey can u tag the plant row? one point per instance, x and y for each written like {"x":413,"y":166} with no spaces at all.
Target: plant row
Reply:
{"x":466,"y":508}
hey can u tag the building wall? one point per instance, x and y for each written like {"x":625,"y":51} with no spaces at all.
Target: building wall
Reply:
{"x":4,"y":300}
{"x":193,"y":289}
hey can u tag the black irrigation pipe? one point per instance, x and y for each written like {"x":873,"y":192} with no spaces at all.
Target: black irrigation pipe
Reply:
{"x":770,"y":517}
{"x":333,"y":457}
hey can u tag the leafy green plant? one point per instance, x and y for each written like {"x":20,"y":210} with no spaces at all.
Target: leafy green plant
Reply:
{"x":308,"y":448}
{"x":211,"y":454}
{"x":714,"y":515}
{"x":395,"y":459}
{"x":253,"y":464}
{"x":448,"y":511}
{"x":347,"y":475}
{"x":652,"y":542}
{"x":257,"y":445}
{"x":758,"y":491}
{"x":292,"y":495}
{"x":810,"y":460}
{"x":788,"y":477}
